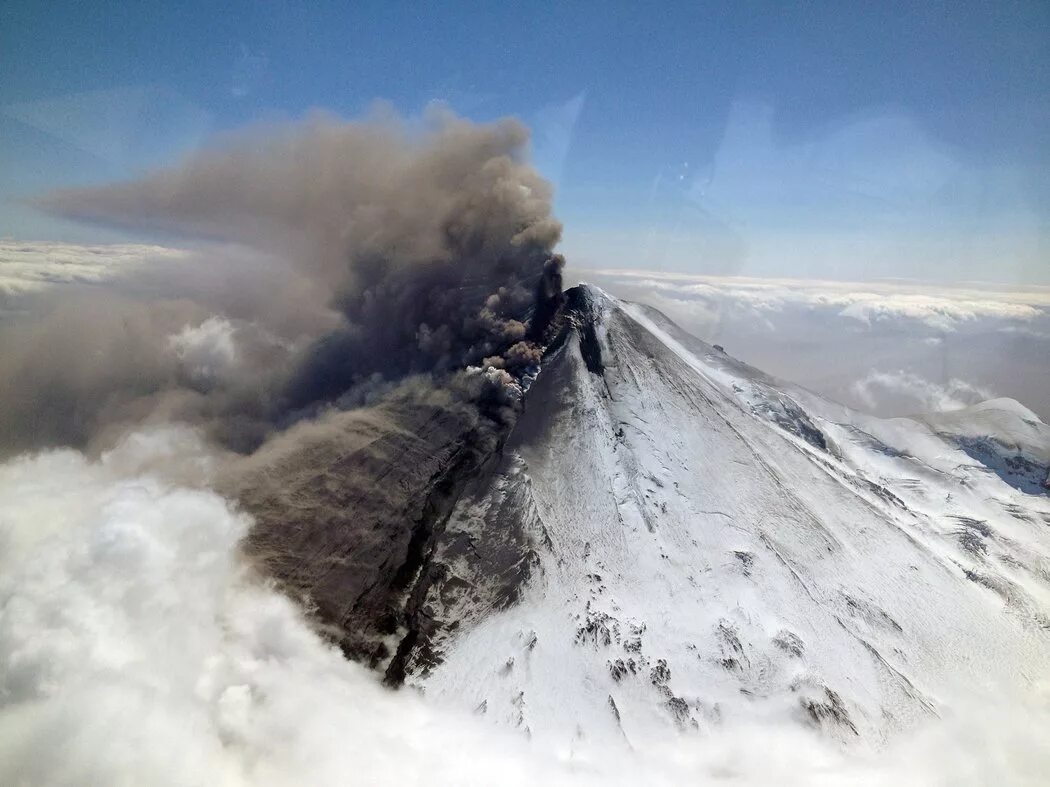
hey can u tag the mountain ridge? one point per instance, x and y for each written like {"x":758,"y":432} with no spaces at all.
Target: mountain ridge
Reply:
{"x":667,"y":538}
{"x":620,"y":515}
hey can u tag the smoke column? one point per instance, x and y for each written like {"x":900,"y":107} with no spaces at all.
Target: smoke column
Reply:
{"x":431,"y":242}
{"x":378,"y":250}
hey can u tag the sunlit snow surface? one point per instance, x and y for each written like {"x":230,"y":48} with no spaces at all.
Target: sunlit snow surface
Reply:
{"x":714,"y":546}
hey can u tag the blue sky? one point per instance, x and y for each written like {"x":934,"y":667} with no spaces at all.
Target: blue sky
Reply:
{"x":834,"y":140}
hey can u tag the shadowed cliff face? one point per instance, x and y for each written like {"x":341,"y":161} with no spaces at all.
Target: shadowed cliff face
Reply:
{"x":352,"y":513}
{"x":346,"y":516}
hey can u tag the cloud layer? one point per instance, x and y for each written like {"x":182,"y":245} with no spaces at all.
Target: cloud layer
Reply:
{"x":889,"y":347}
{"x":918,"y":393}
{"x":933,"y":307}
{"x":27,"y":267}
{"x":136,"y":647}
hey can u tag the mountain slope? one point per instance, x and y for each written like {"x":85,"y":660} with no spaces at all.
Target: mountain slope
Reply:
{"x":671,"y":539}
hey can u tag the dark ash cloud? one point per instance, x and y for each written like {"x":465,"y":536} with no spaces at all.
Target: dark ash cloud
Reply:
{"x":431,"y":243}
{"x":379,"y":251}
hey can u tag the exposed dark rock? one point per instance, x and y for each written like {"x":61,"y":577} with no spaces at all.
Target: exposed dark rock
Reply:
{"x":1014,"y":468}
{"x":619,"y":669}
{"x":590,"y":349}
{"x":978,"y":526}
{"x":971,"y":542}
{"x":598,"y":629}
{"x":746,"y":559}
{"x":729,"y":637}
{"x":830,"y":710}
{"x":581,"y":307}
{"x":881,"y":491}
{"x":789,"y":642}
{"x":786,"y":414}
{"x":660,"y":674}
{"x":873,"y":615}
{"x":1017,"y":512}
{"x":344,"y":517}
{"x":680,"y":713}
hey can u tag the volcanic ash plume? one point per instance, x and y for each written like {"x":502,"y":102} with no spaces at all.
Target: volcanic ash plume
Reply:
{"x":433,"y":246}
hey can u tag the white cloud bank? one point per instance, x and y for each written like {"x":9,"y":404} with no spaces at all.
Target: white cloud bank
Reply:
{"x":848,"y":340}
{"x":137,"y":648}
{"x":31,"y":266}
{"x":35,"y":265}
{"x":936,"y":307}
{"x":917,"y":392}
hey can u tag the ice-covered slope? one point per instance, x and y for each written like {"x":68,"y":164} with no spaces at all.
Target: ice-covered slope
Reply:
{"x":690,"y":542}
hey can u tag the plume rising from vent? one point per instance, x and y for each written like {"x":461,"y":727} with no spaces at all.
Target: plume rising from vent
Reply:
{"x":410,"y":251}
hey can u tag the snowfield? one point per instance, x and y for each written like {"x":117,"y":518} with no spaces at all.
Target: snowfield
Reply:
{"x":708,"y":545}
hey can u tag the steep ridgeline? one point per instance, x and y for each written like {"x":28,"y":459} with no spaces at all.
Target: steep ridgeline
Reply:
{"x":351,"y":511}
{"x":671,"y":539}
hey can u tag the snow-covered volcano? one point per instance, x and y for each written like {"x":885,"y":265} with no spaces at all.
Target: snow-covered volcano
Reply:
{"x":669,"y":539}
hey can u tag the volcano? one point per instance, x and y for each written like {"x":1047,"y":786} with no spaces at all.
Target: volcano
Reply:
{"x":666,"y":539}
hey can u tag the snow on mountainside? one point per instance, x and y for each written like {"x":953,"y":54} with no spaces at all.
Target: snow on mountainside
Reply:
{"x":671,"y":539}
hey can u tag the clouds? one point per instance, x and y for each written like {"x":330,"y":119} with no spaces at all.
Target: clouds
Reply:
{"x":33,"y":266}
{"x":903,"y":390}
{"x":920,"y":305}
{"x":207,"y":351}
{"x":136,"y":647}
{"x":935,"y":313}
{"x":890,"y":347}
